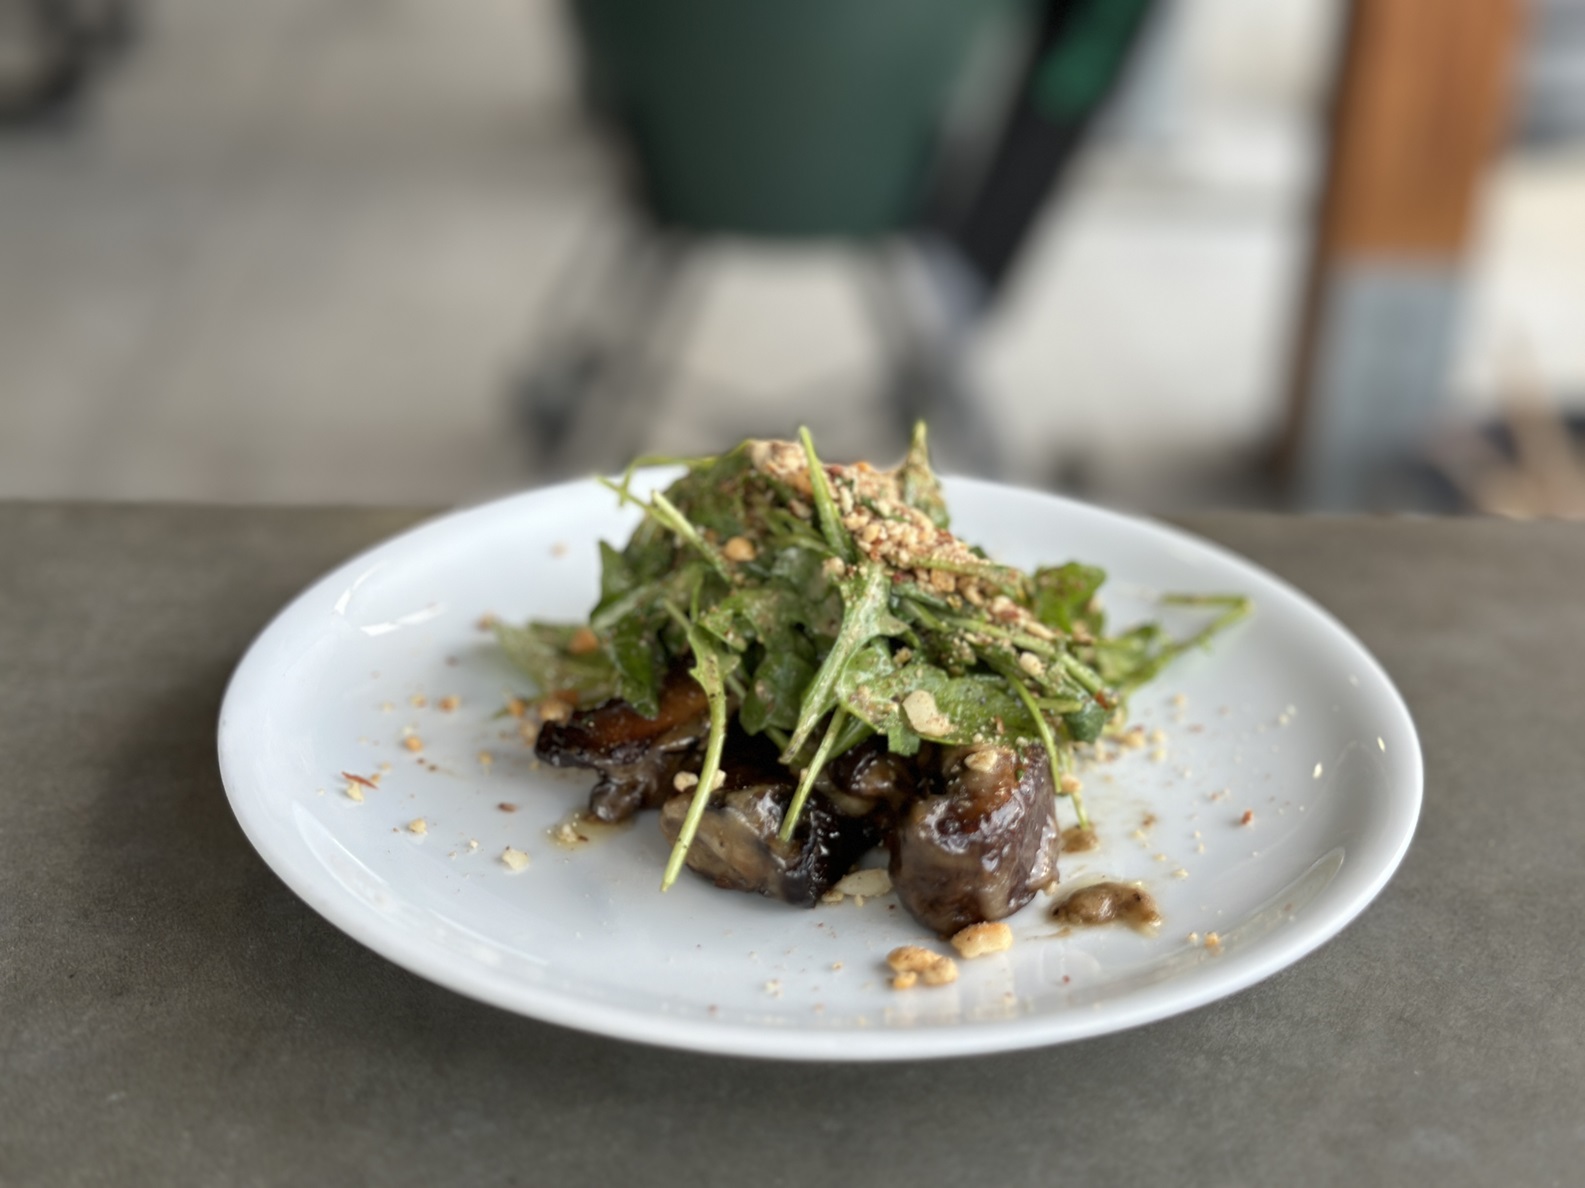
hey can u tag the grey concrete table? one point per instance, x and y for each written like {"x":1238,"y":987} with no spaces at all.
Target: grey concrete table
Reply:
{"x":171,"y":1014}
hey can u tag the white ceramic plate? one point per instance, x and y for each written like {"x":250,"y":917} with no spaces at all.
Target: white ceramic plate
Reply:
{"x":1288,"y":716}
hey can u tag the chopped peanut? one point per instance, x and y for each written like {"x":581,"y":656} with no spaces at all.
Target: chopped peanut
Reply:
{"x":554,"y":709}
{"x":979,"y":939}
{"x":583,"y":642}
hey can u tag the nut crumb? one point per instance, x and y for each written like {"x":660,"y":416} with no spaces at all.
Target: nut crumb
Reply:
{"x":925,"y":716}
{"x":979,"y":939}
{"x":473,"y":843}
{"x":909,"y":962}
{"x":862,"y":883}
{"x":418,"y":825}
{"x":1248,"y":818}
{"x":1134,"y":738}
{"x":1213,"y":942}
{"x":449,"y":703}
{"x":1070,"y":783}
{"x":418,"y":701}
{"x":739,"y":548}
{"x":835,"y":966}
{"x":353,"y":792}
{"x":487,"y":622}
{"x":583,"y":642}
{"x":513,"y":858}
{"x":486,"y":759}
{"x":983,"y":761}
{"x":554,"y":709}
{"x":413,"y":743}
{"x":773,"y":988}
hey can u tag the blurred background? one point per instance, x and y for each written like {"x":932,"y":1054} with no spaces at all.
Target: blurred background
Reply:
{"x":1169,"y":254}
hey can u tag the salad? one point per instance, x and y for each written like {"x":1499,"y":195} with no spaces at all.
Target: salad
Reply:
{"x":796,"y":662}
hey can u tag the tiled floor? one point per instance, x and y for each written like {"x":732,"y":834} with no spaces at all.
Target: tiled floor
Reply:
{"x":298,"y":251}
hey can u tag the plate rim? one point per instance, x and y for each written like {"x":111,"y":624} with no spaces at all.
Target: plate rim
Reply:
{"x":1275,"y":952}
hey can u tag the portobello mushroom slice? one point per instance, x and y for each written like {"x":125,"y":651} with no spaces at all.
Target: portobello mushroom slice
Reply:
{"x":981,"y":843}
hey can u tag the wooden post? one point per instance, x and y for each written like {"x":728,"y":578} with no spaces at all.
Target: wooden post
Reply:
{"x":1420,"y":105}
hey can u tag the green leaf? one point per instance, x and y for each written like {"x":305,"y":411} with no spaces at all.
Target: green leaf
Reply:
{"x":635,"y":653}
{"x":1119,"y":657}
{"x":540,"y":650}
{"x":866,"y":598}
{"x":1063,"y":596}
{"x":777,"y":688}
{"x":873,"y":689}
{"x":920,"y":488}
{"x":1086,"y":724}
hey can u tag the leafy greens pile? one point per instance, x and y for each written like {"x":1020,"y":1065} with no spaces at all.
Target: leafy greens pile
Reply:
{"x":820,"y":605}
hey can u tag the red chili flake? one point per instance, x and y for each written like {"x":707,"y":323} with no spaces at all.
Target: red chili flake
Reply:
{"x":507,"y":806}
{"x":357,"y":779}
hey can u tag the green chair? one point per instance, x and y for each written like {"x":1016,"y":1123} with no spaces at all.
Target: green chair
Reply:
{"x":816,"y":120}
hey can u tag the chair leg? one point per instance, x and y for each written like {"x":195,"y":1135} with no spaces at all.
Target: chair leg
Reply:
{"x":592,"y":397}
{"x":924,"y":342}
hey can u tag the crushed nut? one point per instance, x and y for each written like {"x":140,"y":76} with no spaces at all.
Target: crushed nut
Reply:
{"x":979,"y":939}
{"x":871,"y":882}
{"x":583,"y":642}
{"x":909,"y":962}
{"x":449,"y":702}
{"x":413,"y":743}
{"x":739,"y":548}
{"x":554,"y":709}
{"x":418,"y":825}
{"x":924,"y":716}
{"x":513,"y":858}
{"x":982,"y":761}
{"x":1070,"y":783}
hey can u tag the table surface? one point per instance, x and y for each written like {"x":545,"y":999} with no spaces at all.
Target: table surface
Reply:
{"x":171,"y":1014}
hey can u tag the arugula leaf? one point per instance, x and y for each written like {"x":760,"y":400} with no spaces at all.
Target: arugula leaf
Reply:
{"x":920,"y":489}
{"x":980,"y":706}
{"x":866,"y":612}
{"x":712,"y":665}
{"x":541,"y":651}
{"x":777,"y":688}
{"x":633,"y":647}
{"x":1064,"y":594}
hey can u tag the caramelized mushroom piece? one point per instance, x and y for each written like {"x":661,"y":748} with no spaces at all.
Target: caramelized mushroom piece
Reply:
{"x":637,"y":757}
{"x":737,"y":846}
{"x":982,"y":843}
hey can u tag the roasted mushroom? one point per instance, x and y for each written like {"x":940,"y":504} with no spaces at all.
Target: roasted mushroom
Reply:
{"x":981,"y":843}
